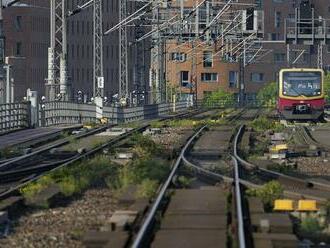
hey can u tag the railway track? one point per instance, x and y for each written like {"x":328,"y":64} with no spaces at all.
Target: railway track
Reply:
{"x":22,"y":170}
{"x":204,"y":174}
{"x":294,"y":186}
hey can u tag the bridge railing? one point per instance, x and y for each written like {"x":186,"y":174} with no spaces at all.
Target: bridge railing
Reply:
{"x":63,"y":113}
{"x":14,"y":116}
{"x":60,"y":113}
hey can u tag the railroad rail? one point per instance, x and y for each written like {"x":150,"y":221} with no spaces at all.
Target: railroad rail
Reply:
{"x":15,"y":179}
{"x":293,"y":186}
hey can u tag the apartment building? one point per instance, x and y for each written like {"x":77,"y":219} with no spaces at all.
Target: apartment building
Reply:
{"x":276,"y":15}
{"x":210,"y":74}
{"x":211,"y":71}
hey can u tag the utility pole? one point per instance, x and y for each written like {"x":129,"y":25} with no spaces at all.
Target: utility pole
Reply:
{"x":98,"y":79}
{"x":123,"y":53}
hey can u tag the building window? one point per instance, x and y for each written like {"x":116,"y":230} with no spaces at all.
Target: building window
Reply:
{"x":184,"y":78}
{"x":18,"y":23}
{"x":277,"y":19}
{"x":207,"y":59}
{"x":279,"y":57}
{"x":258,"y":3}
{"x":209,"y":77}
{"x":180,"y":57}
{"x":257,"y":77}
{"x":18,"y":50}
{"x":233,"y":79}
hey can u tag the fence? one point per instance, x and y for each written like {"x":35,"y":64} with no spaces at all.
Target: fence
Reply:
{"x":59,"y":113}
{"x":14,"y":116}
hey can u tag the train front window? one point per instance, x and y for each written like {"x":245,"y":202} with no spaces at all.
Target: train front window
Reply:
{"x":302,"y":84}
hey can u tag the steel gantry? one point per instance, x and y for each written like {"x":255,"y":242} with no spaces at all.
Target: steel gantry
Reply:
{"x":98,"y":78}
{"x":123,"y":54}
{"x":57,"y":87}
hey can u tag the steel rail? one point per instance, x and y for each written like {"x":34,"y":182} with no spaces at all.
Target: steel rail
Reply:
{"x":54,"y":145}
{"x":239,"y":210}
{"x":90,"y":153}
{"x":9,"y":162}
{"x":272,"y":173}
{"x":144,"y":228}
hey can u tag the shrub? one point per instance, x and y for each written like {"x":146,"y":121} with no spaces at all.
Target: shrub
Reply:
{"x":219,"y":98}
{"x":310,"y":225}
{"x":184,"y":181}
{"x":268,"y":193}
{"x":142,"y":169}
{"x":262,"y":124}
{"x":147,"y":188}
{"x":267,"y":95}
{"x":68,"y":186}
{"x":30,"y":190}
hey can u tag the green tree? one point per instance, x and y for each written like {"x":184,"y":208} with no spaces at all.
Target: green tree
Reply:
{"x":219,"y":98}
{"x":268,"y":94}
{"x":327,"y":87}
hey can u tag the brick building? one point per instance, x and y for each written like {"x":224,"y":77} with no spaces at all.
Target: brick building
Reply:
{"x":27,"y":31}
{"x":211,"y":72}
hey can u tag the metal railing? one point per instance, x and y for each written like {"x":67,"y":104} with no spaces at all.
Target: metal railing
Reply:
{"x":307,"y":28}
{"x":59,"y":113}
{"x":14,"y":116}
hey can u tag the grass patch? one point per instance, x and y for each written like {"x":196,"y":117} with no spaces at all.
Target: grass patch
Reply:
{"x":75,"y":179}
{"x":262,"y":124}
{"x":9,"y":152}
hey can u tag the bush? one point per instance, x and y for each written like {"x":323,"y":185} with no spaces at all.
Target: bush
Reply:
{"x":144,"y":146}
{"x":147,"y":188}
{"x":268,"y":193}
{"x":219,"y":98}
{"x":184,"y":182}
{"x":310,"y":225}
{"x":267,"y":95}
{"x":30,"y":190}
{"x":98,"y":171}
{"x":68,"y":186}
{"x":262,"y":124}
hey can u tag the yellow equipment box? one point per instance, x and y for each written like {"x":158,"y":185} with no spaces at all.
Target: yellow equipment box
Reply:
{"x":307,"y":205}
{"x":283,"y":205}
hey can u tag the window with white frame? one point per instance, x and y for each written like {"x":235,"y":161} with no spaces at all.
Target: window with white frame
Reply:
{"x":233,"y":79}
{"x":180,"y":57}
{"x":184,"y":78}
{"x":207,"y":59}
{"x":257,"y":77}
{"x":209,"y":77}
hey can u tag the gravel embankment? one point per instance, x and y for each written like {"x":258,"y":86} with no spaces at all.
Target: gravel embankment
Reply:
{"x":62,"y":226}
